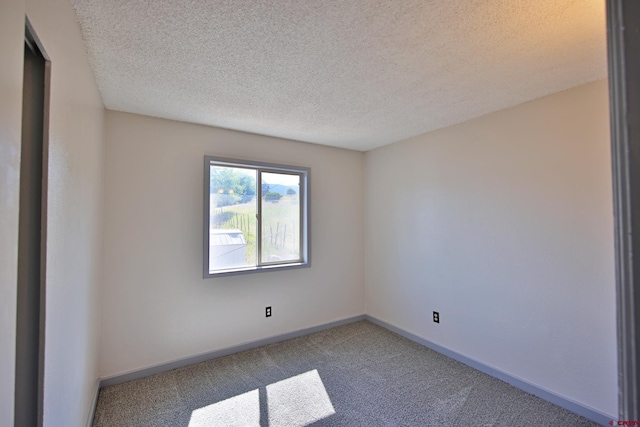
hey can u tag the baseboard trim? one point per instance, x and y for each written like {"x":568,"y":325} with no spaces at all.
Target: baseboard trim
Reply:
{"x":94,"y":404}
{"x":563,"y":402}
{"x":180,"y":363}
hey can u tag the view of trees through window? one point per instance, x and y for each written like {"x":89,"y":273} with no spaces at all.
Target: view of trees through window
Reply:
{"x":246,"y":203}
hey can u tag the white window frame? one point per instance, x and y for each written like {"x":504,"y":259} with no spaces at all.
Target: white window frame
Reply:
{"x":261,"y":167}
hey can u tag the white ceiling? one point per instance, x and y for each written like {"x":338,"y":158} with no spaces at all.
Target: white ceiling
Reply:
{"x":355,"y":74}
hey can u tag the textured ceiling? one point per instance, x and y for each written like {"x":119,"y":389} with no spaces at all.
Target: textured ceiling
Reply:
{"x":353,"y":74}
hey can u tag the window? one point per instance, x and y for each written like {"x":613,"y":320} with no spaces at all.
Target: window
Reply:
{"x":255,"y":216}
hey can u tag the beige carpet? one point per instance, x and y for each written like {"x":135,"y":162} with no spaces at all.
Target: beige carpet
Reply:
{"x":359,"y":374}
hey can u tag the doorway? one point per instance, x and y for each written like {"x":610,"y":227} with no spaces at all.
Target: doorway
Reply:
{"x":623,"y":36}
{"x":30,"y":318}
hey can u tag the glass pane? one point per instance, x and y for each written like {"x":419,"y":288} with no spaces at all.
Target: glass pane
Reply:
{"x":232,"y":218}
{"x":280,"y":217}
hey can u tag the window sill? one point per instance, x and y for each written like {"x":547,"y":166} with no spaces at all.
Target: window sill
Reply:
{"x":250,"y":270}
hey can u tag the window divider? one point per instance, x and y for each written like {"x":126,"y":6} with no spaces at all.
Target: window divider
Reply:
{"x":259,"y":217}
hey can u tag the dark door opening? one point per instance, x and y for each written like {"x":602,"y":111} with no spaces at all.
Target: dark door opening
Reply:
{"x":623,"y":34}
{"x":31,"y":238}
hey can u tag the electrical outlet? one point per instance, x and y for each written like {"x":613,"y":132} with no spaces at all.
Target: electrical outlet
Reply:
{"x":268,"y":312}
{"x":436,"y":317}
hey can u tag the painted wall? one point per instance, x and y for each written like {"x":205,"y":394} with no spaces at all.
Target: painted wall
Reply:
{"x":157,"y":307}
{"x":74,"y":246}
{"x":11,"y":54}
{"x":504,"y":225}
{"x":74,"y":200}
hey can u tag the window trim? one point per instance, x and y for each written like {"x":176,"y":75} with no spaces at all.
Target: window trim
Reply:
{"x":305,"y":215}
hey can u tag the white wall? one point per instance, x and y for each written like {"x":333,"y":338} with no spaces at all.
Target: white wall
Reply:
{"x":74,"y":235}
{"x":157,"y":307}
{"x":504,"y":225}
{"x":11,"y":58}
{"x":74,"y":200}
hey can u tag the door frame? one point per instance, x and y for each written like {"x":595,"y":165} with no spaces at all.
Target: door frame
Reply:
{"x":33,"y":299}
{"x":623,"y":38}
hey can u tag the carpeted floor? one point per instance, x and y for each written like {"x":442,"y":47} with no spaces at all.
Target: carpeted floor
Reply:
{"x":354,"y":375}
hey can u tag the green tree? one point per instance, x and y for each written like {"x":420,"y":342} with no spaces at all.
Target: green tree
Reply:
{"x":272,"y":196}
{"x":228,"y":186}
{"x":291,"y":191}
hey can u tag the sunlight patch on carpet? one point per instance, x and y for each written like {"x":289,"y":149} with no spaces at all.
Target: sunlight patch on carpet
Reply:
{"x":294,"y":402}
{"x":241,"y":410}
{"x":298,"y":401}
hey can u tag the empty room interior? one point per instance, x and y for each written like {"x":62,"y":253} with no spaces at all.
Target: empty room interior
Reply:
{"x":459,"y":162}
